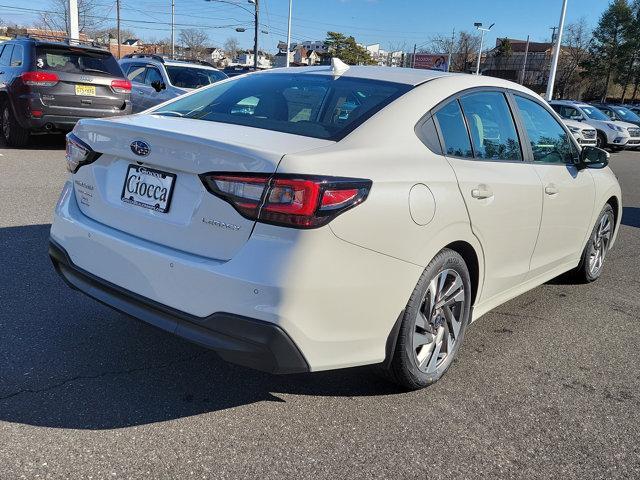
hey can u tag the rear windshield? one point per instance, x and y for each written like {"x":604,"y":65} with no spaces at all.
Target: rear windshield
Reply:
{"x":76,"y":60}
{"x":304,"y":104}
{"x":189,"y":77}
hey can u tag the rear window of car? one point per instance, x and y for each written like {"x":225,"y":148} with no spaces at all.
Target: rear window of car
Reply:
{"x":189,"y":77}
{"x":76,"y":60}
{"x":318,"y":106}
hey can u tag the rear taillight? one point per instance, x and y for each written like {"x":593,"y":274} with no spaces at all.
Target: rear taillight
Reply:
{"x":40,"y":79}
{"x":288,"y":200}
{"x":121,"y":86}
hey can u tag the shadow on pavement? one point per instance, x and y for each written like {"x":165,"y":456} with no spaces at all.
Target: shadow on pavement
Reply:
{"x":68,"y":362}
{"x":51,"y":141}
{"x":631,"y":216}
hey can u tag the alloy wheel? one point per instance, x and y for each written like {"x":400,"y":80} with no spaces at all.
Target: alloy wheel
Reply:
{"x":439,"y":320}
{"x":600,"y":244}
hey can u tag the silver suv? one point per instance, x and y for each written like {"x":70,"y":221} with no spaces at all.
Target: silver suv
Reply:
{"x":155,"y":79}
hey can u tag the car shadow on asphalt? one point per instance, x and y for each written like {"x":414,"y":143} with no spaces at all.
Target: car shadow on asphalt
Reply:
{"x":68,"y":362}
{"x":50,"y":141}
{"x":631,"y":216}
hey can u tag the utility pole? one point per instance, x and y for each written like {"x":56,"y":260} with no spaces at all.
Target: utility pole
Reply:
{"x":255,"y":35}
{"x":413,"y":57}
{"x":118,"y":25}
{"x":453,"y":39}
{"x":74,"y":29}
{"x":556,"y":53}
{"x":524,"y":63}
{"x":289,"y":33}
{"x":173,"y":29}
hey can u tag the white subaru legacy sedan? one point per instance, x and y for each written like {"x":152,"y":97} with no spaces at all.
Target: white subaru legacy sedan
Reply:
{"x":317,"y":218}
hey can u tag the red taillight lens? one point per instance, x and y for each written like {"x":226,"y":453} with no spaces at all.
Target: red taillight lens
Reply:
{"x":121,"y":86}
{"x":288,"y":200}
{"x":40,"y":79}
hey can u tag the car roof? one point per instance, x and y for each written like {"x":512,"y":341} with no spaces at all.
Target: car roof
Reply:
{"x":408,"y":76}
{"x":572,"y":103}
{"x":171,"y":63}
{"x":53,"y":43}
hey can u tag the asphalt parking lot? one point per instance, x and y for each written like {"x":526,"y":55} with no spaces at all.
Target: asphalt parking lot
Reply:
{"x":546,"y":386}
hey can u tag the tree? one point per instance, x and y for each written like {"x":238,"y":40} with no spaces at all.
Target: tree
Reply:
{"x":346,"y":49}
{"x":574,"y":53}
{"x":231,"y":47}
{"x":464,"y":48}
{"x":609,"y":52}
{"x":194,"y":40}
{"x":504,"y":49}
{"x":91,"y":16}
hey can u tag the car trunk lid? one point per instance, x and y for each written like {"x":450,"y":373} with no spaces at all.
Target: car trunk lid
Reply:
{"x":195,"y":221}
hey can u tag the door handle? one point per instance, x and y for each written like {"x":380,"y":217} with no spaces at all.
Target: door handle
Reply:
{"x":551,"y":189}
{"x":481,"y":192}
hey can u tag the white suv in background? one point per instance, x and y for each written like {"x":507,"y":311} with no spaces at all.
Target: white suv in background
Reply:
{"x":609,"y":134}
{"x":155,"y":80}
{"x":584,"y":134}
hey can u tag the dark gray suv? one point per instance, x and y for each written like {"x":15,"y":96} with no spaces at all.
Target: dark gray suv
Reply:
{"x":48,"y":86}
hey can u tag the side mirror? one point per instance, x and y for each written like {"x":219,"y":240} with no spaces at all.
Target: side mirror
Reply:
{"x":158,"y":85}
{"x":593,"y":157}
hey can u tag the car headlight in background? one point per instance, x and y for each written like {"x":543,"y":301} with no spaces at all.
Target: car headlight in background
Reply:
{"x":78,"y":153}
{"x":574,"y":129}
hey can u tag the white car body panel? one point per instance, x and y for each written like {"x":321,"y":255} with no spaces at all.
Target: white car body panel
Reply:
{"x":338,"y":290}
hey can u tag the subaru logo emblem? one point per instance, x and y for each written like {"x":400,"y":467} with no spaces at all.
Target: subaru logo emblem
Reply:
{"x":140,"y":148}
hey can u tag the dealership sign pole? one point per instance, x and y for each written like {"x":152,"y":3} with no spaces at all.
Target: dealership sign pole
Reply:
{"x":74,"y":29}
{"x":556,"y":53}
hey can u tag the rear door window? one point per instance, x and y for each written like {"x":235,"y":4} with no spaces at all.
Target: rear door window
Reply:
{"x":5,"y":56}
{"x":454,"y":131}
{"x":153,"y":75}
{"x":493,"y":131}
{"x":136,"y":73}
{"x":16,"y":56}
{"x":76,"y":60}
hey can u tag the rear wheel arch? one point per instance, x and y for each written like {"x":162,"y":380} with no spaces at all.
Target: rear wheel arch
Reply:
{"x":615,"y":204}
{"x":470,"y":256}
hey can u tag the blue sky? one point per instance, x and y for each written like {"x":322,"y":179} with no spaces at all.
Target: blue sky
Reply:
{"x":393,"y":23}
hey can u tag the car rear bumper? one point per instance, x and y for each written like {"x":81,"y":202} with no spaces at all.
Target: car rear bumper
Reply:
{"x":52,"y":117}
{"x":245,"y":341}
{"x":279,"y":277}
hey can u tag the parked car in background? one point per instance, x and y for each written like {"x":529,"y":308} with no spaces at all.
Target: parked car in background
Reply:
{"x":584,"y":134}
{"x":156,"y":79}
{"x":271,"y":219}
{"x":48,"y":86}
{"x":634,"y":108}
{"x":609,"y":134}
{"x":625,"y":118}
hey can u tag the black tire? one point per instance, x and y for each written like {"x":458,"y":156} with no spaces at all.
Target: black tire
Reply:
{"x":588,"y":271}
{"x":404,"y":368}
{"x":601,"y":141}
{"x":13,"y":134}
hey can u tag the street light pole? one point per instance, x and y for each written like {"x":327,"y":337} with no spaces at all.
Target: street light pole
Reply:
{"x":118,"y":24}
{"x":556,"y":53}
{"x":74,"y":29}
{"x":173,"y":30}
{"x":483,"y":30}
{"x":289,"y":33}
